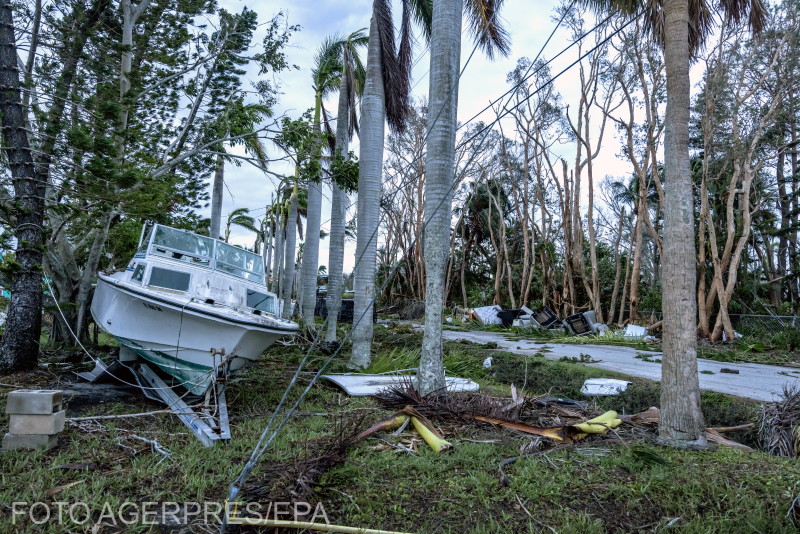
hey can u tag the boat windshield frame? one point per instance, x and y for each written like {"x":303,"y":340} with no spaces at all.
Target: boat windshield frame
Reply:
{"x":209,"y":253}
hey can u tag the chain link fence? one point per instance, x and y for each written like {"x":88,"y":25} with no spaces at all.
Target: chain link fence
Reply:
{"x":748,"y":324}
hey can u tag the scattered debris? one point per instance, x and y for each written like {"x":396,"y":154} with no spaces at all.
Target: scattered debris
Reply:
{"x":729,"y":371}
{"x":487,"y":363}
{"x":737,"y":335}
{"x":635,"y":331}
{"x":487,"y":314}
{"x":360,"y":385}
{"x":604,"y":386}
{"x":778,"y":423}
{"x":432,"y":437}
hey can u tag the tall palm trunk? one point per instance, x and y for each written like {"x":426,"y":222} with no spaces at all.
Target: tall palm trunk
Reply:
{"x":338,"y":214}
{"x":20,"y":344}
{"x":216,"y":199}
{"x":445,"y":63}
{"x":280,"y":236}
{"x":269,"y":234}
{"x":307,"y":292}
{"x":370,"y":169}
{"x":681,"y":418}
{"x":289,"y":255}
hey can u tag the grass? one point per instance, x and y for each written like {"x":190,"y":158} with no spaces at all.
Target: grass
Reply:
{"x":601,"y":489}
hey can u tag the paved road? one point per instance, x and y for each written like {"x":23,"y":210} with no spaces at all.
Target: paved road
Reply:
{"x":754,"y":381}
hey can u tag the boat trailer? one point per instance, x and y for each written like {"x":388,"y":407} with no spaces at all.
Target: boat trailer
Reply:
{"x":208,"y":420}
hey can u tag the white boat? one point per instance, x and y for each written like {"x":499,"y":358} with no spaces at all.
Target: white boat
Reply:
{"x":191,"y":306}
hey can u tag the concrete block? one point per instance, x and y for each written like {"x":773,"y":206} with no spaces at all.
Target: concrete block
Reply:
{"x":35,"y":401}
{"x":29,"y":441}
{"x":36,"y":424}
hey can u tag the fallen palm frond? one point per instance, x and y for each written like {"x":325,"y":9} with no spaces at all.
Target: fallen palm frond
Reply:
{"x":556,"y":433}
{"x":779,"y":424}
{"x":455,"y":408}
{"x":518,"y":413}
{"x":296,"y":482}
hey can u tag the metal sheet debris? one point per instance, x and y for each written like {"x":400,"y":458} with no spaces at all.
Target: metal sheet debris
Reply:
{"x":633,"y":330}
{"x":359,"y":385}
{"x":604,"y":386}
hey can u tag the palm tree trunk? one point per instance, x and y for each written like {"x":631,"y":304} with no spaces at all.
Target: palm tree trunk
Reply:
{"x":681,"y":421}
{"x":333,"y":300}
{"x":307,"y":292}
{"x":445,"y":63}
{"x":20,"y":345}
{"x":216,"y":199}
{"x":289,"y":256}
{"x":280,"y":235}
{"x":269,"y":231}
{"x":370,"y":169}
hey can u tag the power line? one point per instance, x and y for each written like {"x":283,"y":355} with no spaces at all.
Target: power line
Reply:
{"x":264,"y":442}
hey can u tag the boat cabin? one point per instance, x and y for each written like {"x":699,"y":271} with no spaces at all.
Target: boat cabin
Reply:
{"x":208,"y":270}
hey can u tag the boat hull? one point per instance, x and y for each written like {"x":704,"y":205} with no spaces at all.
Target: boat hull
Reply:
{"x":186,"y":339}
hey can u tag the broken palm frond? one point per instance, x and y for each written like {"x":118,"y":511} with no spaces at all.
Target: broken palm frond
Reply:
{"x":395,"y":421}
{"x":599,"y":425}
{"x":778,"y":424}
{"x":305,"y":525}
{"x":460,"y":406}
{"x":432,"y":437}
{"x":297,"y":481}
{"x":422,"y":425}
{"x":556,"y":433}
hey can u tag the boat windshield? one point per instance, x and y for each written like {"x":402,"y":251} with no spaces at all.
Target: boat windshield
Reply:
{"x":239,"y":262}
{"x":179,"y":243}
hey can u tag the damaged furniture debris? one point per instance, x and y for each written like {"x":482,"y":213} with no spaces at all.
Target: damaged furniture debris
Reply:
{"x":542,"y":319}
{"x":583,"y":323}
{"x":36,"y":417}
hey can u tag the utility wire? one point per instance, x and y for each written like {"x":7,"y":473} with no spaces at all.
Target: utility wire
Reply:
{"x":264,"y":442}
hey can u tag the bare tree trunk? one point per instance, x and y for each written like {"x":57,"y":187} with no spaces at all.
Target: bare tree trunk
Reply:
{"x":617,"y":267}
{"x":681,"y":421}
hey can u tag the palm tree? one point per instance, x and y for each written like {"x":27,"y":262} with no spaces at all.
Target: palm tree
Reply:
{"x":240,"y":217}
{"x":238,"y":120}
{"x":681,"y":27}
{"x":324,"y":81}
{"x":351,"y":83}
{"x":442,"y":124}
{"x":386,"y":98}
{"x":326,"y":77}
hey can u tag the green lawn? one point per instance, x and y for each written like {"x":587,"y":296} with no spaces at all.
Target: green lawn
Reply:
{"x":603,"y":487}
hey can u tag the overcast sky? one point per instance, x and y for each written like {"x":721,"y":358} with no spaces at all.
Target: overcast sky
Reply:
{"x":529,"y":23}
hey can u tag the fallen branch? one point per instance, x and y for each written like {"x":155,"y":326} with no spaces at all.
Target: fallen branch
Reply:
{"x":305,"y":525}
{"x":721,"y":429}
{"x":121,"y":416}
